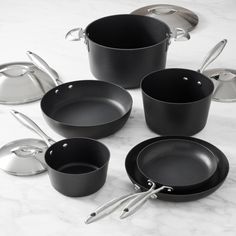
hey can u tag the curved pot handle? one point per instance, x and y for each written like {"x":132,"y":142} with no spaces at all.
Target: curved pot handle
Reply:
{"x":28,"y":123}
{"x":42,"y":65}
{"x":212,"y":55}
{"x":75,"y":34}
{"x":180,"y":35}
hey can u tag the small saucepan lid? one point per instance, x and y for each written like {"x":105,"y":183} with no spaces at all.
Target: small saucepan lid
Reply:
{"x":23,"y":157}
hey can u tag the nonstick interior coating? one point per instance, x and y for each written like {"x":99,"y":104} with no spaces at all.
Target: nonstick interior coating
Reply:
{"x":188,"y":195}
{"x":177,"y":163}
{"x":86,"y":103}
{"x":127,"y":31}
{"x":77,"y":156}
{"x":177,"y":85}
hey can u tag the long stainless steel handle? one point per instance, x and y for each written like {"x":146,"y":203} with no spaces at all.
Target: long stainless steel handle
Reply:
{"x":75,"y":34}
{"x":109,"y":207}
{"x":112,"y":205}
{"x":42,"y":65}
{"x":212,"y":55}
{"x":137,"y":202}
{"x":28,"y":123}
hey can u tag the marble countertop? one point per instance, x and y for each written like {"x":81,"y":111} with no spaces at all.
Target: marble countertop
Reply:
{"x":30,"y":206}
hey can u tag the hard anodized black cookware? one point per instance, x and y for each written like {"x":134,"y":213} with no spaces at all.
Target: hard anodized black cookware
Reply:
{"x":189,"y":195}
{"x":141,"y":183}
{"x":124,"y":48}
{"x":76,"y":167}
{"x":176,"y":101}
{"x":86,"y":108}
{"x":179,"y":163}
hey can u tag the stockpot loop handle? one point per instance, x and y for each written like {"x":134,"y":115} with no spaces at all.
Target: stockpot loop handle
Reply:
{"x":75,"y":34}
{"x":179,"y":34}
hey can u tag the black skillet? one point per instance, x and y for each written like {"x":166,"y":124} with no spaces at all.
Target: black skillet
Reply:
{"x":188,"y":195}
{"x":179,"y":163}
{"x":140,"y":182}
{"x":85,"y":108}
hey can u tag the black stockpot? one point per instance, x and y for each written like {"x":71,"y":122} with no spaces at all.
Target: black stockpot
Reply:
{"x":124,"y":48}
{"x":176,"y":101}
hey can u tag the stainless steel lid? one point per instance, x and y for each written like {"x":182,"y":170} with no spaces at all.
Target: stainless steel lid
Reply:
{"x":23,"y":157}
{"x":23,"y":82}
{"x":173,"y":16}
{"x":225,"y":84}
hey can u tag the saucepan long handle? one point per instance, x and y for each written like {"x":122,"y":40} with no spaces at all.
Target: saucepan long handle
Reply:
{"x":212,"y":55}
{"x":28,"y":123}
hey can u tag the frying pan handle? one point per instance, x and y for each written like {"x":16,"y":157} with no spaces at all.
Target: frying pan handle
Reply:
{"x":42,"y":65}
{"x":212,"y":55}
{"x":28,"y":123}
{"x":75,"y":34}
{"x":109,"y":207}
{"x":137,"y":202}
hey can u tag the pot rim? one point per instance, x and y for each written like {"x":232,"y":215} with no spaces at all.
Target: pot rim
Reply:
{"x":176,"y":103}
{"x":81,"y":174}
{"x":168,"y":34}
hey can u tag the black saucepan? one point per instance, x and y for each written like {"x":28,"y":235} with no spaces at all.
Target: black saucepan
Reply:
{"x":176,"y":101}
{"x":189,"y":195}
{"x":179,"y":163}
{"x":124,"y":48}
{"x":86,"y":108}
{"x":76,"y":167}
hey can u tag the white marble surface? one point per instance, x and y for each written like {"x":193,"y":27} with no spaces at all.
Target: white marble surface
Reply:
{"x":30,"y":206}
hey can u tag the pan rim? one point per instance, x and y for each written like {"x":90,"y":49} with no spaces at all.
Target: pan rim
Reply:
{"x":84,"y":81}
{"x":192,"y":193}
{"x":213,"y":156}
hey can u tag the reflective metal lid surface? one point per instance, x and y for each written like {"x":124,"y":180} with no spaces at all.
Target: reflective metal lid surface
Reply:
{"x":173,"y":16}
{"x":22,"y":82}
{"x":225,"y":84}
{"x":23,"y":157}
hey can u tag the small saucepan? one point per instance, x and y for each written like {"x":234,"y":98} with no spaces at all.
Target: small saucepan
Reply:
{"x":76,"y":167}
{"x":177,"y":101}
{"x":124,"y":48}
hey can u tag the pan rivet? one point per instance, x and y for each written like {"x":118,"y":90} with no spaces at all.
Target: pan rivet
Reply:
{"x":56,"y":91}
{"x":199,"y":83}
{"x":65,"y":145}
{"x":70,"y":86}
{"x":51,"y":152}
{"x":185,"y":78}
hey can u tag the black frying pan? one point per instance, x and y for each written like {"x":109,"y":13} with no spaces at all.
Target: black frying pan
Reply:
{"x":87,"y":108}
{"x":141,"y":182}
{"x":179,"y":163}
{"x":188,"y":195}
